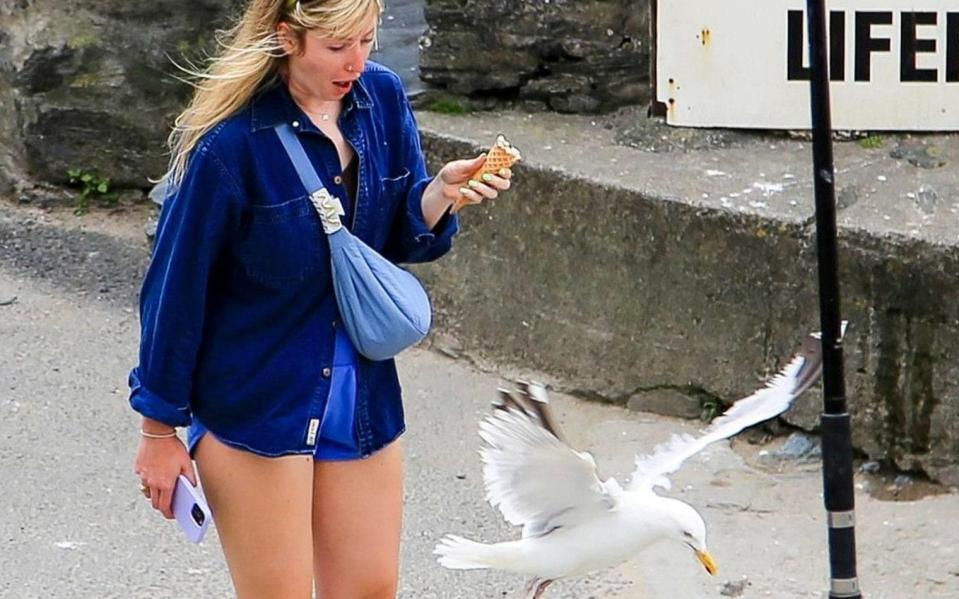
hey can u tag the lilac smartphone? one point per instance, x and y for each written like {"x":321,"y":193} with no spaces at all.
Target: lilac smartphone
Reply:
{"x":190,"y":509}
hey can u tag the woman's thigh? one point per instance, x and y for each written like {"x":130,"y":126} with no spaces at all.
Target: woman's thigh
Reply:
{"x":262,"y":510}
{"x":357,"y":517}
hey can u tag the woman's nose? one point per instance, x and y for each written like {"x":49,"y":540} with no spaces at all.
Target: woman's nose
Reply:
{"x":356,"y":60}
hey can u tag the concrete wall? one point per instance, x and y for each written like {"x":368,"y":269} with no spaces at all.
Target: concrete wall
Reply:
{"x":632,"y":297}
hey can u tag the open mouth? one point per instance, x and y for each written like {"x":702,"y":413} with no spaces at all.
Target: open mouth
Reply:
{"x":343,"y":86}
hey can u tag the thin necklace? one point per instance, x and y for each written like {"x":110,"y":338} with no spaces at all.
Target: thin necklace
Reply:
{"x":325,"y":116}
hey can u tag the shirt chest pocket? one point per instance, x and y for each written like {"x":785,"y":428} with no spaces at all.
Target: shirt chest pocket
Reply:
{"x":283,"y":244}
{"x":393,"y":191}
{"x":396,"y":187}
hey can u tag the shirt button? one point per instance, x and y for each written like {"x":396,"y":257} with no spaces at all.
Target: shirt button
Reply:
{"x":296,"y":124}
{"x":338,"y":179}
{"x":327,"y":372}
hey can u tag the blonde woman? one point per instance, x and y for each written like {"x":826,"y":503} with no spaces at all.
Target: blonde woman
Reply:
{"x":294,"y":434}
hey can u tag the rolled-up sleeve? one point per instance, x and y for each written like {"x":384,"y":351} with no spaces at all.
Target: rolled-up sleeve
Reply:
{"x":195,"y":222}
{"x":411,"y":240}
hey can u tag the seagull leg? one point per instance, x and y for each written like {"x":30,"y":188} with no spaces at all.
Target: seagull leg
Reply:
{"x":541,"y":588}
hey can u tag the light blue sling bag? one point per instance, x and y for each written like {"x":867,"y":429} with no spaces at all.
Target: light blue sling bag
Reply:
{"x":384,"y":308}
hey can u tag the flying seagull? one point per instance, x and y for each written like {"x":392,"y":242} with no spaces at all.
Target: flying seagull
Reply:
{"x":574,"y":522}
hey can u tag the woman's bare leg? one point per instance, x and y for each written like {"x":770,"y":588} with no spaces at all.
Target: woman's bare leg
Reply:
{"x":357,"y":517}
{"x":262,"y":511}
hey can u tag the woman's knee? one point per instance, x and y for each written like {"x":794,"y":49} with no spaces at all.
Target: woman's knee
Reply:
{"x":281,"y":587}
{"x":369,"y":587}
{"x":386,"y":589}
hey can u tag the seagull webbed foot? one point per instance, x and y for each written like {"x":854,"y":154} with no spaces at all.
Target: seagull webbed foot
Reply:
{"x":536,"y":587}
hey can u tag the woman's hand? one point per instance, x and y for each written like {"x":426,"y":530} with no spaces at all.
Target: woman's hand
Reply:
{"x":159,"y":462}
{"x":453,"y":182}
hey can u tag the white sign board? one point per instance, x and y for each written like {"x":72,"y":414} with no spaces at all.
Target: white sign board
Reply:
{"x":894,"y":64}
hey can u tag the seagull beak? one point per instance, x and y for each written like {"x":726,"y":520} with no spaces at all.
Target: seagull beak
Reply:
{"x":707,"y":561}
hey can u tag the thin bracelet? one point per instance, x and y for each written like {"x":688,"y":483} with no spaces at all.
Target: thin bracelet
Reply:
{"x":168,"y":435}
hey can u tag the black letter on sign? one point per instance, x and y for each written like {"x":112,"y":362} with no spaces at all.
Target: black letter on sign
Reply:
{"x":952,"y":47}
{"x":837,"y":45}
{"x":795,"y":38}
{"x":911,"y":45}
{"x":866,"y":44}
{"x":795,"y":30}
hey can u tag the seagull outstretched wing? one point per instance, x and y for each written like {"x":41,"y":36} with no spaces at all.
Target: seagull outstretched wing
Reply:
{"x":533,"y":477}
{"x":774,"y":399}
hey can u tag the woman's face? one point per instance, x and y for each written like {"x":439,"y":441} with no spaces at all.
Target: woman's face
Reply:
{"x":328,"y":67}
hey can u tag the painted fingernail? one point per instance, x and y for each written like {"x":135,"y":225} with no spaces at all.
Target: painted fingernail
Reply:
{"x":464,"y":190}
{"x":473,"y":183}
{"x":487,"y":177}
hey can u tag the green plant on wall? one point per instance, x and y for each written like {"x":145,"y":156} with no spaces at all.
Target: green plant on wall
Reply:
{"x":872,"y":142}
{"x":447,"y":105}
{"x":710,"y":408}
{"x":91,"y":186}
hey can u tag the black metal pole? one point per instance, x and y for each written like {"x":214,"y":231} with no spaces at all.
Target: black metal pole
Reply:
{"x":836,"y":431}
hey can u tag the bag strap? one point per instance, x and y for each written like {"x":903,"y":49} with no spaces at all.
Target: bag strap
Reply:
{"x":327,"y":206}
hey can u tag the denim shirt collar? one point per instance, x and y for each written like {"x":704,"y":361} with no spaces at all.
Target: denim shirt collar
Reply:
{"x":274,"y":105}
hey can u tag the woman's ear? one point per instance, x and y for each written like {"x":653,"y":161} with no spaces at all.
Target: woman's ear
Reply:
{"x":286,"y":37}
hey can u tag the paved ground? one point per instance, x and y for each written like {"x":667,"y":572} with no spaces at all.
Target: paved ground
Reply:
{"x":72,"y":523}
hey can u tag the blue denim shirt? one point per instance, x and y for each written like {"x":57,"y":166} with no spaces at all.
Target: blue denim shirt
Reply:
{"x":237,"y":308}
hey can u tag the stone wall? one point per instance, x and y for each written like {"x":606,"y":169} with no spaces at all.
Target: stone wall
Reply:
{"x":565,"y":55}
{"x":87,"y":84}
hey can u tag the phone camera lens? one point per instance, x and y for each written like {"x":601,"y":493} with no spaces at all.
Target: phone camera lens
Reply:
{"x":198,"y":515}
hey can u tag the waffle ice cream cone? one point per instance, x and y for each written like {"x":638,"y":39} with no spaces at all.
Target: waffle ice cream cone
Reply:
{"x":501,"y":155}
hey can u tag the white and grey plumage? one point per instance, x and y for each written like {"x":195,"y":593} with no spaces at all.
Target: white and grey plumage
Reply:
{"x":574,"y":522}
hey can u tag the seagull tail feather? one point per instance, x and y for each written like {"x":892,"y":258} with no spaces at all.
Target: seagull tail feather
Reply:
{"x":458,"y":553}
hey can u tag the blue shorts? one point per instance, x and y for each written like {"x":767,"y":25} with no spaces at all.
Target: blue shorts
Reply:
{"x":336,"y":438}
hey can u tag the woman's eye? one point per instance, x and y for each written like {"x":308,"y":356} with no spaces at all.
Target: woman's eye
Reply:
{"x":368,"y":41}
{"x":336,"y":47}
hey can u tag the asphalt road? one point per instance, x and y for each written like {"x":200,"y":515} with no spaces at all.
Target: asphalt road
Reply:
{"x":73,"y":524}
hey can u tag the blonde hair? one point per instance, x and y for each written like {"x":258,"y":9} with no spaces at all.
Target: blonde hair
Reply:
{"x":249,"y":58}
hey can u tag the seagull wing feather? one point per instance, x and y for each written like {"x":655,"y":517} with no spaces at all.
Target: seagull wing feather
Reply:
{"x":535,"y":479}
{"x":770,"y":401}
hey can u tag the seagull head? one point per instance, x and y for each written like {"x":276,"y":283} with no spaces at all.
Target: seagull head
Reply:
{"x":688,"y":527}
